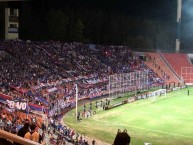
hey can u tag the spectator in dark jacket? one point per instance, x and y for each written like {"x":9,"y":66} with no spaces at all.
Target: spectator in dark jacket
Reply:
{"x":5,"y":142}
{"x":122,"y":138}
{"x":23,"y":131}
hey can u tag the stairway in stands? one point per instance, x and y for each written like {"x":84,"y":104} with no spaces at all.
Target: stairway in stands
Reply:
{"x":155,"y":62}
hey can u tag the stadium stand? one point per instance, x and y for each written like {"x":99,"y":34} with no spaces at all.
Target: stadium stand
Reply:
{"x":39,"y":78}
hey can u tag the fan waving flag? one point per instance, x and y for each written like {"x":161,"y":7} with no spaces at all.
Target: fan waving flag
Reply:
{"x":4,"y":97}
{"x":40,"y":99}
{"x":35,"y":107}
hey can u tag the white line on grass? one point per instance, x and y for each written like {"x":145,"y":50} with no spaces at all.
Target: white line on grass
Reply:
{"x":154,"y":130}
{"x":125,"y":111}
{"x":157,"y":115}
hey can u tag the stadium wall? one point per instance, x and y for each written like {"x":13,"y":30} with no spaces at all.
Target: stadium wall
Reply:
{"x":140,"y":97}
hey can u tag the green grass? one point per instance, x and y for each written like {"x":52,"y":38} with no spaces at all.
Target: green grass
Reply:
{"x":168,"y":121}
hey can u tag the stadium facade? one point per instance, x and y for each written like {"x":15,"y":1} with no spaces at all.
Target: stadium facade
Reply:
{"x":9,"y":19}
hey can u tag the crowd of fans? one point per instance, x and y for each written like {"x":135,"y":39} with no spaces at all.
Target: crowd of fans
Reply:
{"x":45,"y":75}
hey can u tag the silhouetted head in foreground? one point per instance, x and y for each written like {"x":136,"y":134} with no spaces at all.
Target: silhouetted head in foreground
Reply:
{"x":122,"y":138}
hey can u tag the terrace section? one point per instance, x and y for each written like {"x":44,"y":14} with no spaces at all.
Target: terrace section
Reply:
{"x":157,"y":64}
{"x":177,"y":61}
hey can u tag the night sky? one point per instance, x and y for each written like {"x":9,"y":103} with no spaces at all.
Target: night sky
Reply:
{"x":159,"y":12}
{"x":145,"y":8}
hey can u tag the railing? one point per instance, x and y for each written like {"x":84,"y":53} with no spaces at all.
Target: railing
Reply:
{"x":188,"y":58}
{"x":79,"y":66}
{"x":15,"y":138}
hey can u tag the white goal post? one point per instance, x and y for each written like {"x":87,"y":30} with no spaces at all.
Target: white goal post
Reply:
{"x":155,"y":94}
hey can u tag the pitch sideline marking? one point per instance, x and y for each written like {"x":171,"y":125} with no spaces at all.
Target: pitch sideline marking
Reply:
{"x":174,"y":134}
{"x":144,"y":112}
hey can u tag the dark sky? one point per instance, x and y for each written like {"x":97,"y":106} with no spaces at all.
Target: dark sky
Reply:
{"x":147,"y":8}
{"x":164,"y":11}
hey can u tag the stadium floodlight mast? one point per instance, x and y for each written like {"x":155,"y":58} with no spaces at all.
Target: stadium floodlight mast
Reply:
{"x":179,"y":14}
{"x":76,"y":85}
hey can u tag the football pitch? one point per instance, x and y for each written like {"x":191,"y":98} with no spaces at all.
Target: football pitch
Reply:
{"x":167,"y":121}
